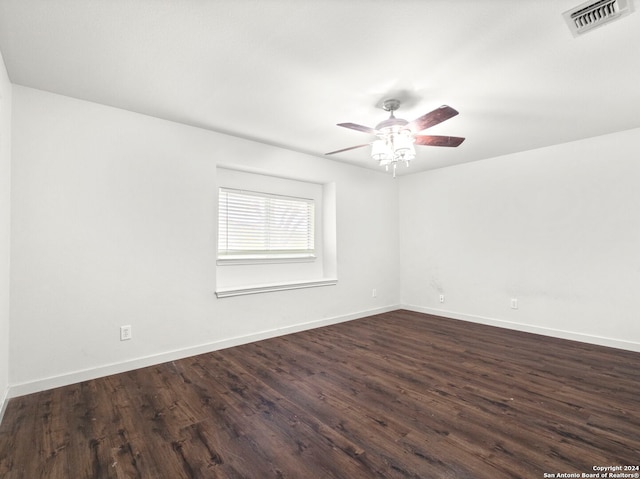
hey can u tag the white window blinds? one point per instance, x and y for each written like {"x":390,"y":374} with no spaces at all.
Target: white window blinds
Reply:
{"x":261,"y":225}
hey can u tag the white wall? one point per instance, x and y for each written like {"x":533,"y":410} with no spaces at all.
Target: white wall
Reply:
{"x":114,"y":222}
{"x":557,"y":228}
{"x":5,"y":227}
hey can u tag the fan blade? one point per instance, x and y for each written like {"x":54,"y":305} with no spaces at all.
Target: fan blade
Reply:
{"x":347,"y":149}
{"x":362,"y":128}
{"x":432,"y":118}
{"x":435,"y":140}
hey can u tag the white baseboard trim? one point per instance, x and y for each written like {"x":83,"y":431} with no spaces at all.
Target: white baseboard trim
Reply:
{"x":73,"y":377}
{"x":529,"y":328}
{"x":3,"y":403}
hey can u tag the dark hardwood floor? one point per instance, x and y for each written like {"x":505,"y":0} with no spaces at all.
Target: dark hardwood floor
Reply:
{"x":397,"y":395}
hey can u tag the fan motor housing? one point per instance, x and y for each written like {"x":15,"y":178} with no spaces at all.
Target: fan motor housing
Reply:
{"x":391,"y":122}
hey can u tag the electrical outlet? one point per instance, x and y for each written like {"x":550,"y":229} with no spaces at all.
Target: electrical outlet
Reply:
{"x":442,"y":298}
{"x":374,"y":293}
{"x":514,"y":303}
{"x":125,"y":333}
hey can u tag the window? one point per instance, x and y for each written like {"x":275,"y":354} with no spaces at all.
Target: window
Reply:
{"x":274,"y":233}
{"x":255,"y":227}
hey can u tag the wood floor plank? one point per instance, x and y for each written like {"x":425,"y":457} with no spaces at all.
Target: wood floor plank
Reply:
{"x":396,"y":395}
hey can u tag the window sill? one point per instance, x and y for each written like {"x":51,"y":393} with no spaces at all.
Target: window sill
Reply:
{"x":265,"y":260}
{"x":267,"y":288}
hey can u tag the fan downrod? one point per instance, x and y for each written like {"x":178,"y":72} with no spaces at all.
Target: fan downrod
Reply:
{"x":391,"y":106}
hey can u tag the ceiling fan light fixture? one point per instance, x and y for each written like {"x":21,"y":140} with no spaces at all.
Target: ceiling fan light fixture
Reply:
{"x":381,"y":151}
{"x":396,"y":137}
{"x":393,"y":146}
{"x":403,"y":145}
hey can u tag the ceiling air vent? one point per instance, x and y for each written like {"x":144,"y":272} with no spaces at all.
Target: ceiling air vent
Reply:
{"x":590,"y":15}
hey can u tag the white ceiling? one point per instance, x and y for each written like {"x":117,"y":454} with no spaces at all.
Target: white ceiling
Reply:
{"x":284,"y":72}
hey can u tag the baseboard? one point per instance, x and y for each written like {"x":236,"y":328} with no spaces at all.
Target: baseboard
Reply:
{"x":73,"y":377}
{"x":529,"y":328}
{"x":3,"y":403}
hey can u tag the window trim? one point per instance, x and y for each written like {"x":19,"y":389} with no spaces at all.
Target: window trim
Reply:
{"x":265,"y":259}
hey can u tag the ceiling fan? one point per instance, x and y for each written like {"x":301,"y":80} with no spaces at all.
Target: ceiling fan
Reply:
{"x":396,"y":137}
